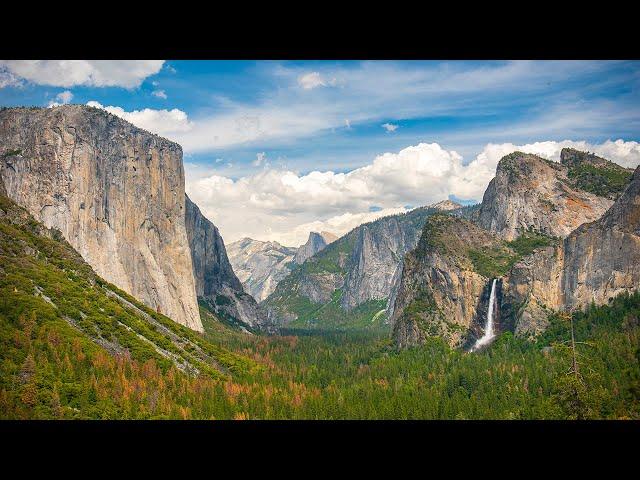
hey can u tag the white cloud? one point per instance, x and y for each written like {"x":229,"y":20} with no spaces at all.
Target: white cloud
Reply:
{"x":313,"y":80}
{"x":338,"y":225}
{"x":61,"y":99}
{"x":160,"y":94}
{"x":375,"y":91}
{"x":389,"y":127}
{"x":167,"y":123}
{"x":97,"y":73}
{"x":282,"y":205}
{"x":8,"y":79}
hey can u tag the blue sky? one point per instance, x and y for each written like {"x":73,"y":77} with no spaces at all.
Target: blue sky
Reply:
{"x":239,"y":119}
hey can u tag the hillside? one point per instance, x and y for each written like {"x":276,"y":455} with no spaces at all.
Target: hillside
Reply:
{"x":74,"y":345}
{"x":348,"y":284}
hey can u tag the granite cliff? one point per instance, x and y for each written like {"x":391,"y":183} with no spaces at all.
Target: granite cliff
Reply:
{"x":114,"y":191}
{"x":530,"y":192}
{"x":558,"y":236}
{"x":315,"y":243}
{"x":216,"y":283}
{"x":349,"y":283}
{"x":260,"y":265}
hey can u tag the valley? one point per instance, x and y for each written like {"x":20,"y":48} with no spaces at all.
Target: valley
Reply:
{"x":120,"y":299}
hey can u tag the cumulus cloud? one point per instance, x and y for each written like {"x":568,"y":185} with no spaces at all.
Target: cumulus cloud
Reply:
{"x":389,"y":127}
{"x":372,"y":92}
{"x":167,"y":123}
{"x":313,"y":80}
{"x":8,"y":79}
{"x":61,"y":99}
{"x":282,"y":205}
{"x":97,"y":73}
{"x":159,"y":94}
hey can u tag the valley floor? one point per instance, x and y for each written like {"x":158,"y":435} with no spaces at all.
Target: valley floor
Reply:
{"x":50,"y":370}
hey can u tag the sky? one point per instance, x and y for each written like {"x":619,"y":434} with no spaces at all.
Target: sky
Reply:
{"x":276,"y":149}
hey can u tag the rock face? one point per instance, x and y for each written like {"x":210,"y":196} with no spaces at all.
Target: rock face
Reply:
{"x":116,"y":193}
{"x":315,"y":243}
{"x":216,"y":283}
{"x":602,"y":259}
{"x":441,"y":292}
{"x":376,"y":259}
{"x":446,"y":205}
{"x":359,"y":269}
{"x":596,"y":262}
{"x":260,"y":265}
{"x":532,"y":290}
{"x":529,"y":192}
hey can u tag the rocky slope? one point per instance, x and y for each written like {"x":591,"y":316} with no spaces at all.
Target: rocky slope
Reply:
{"x":444,"y":284}
{"x":595,"y":263}
{"x":351,"y":280}
{"x":529,"y":192}
{"x":315,"y":243}
{"x":215,"y":281}
{"x":260,"y":265}
{"x":116,"y":193}
{"x":49,"y":282}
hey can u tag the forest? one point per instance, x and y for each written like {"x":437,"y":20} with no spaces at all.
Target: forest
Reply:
{"x":49,"y":370}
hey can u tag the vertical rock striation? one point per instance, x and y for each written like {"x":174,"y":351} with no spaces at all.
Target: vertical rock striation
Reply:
{"x":260,"y":265}
{"x":116,"y":192}
{"x":529,"y":192}
{"x":215,"y":281}
{"x":442,"y":279}
{"x":315,"y":243}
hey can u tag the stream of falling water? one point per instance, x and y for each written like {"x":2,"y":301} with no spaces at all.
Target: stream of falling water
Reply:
{"x":488,"y":329}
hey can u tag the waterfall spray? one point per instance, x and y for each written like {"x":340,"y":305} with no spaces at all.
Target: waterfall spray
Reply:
{"x":488,"y":329}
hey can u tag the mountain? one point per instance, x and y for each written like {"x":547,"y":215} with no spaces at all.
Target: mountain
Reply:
{"x":554,"y":198}
{"x":595,"y":263}
{"x":45,"y":283}
{"x":349,"y":283}
{"x":446,"y":205}
{"x":115,"y":192}
{"x":445,"y":279}
{"x":315,"y":243}
{"x":260,"y":265}
{"x":216,"y":283}
{"x":521,"y":241}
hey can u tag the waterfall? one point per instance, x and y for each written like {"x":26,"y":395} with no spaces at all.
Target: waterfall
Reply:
{"x":488,"y":329}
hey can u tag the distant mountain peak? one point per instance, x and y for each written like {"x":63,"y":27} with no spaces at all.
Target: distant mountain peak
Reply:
{"x":328,"y":237}
{"x":315,"y":243}
{"x":446,"y":205}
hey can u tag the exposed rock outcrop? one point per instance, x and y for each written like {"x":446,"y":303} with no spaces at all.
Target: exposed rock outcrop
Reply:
{"x":529,"y":192}
{"x":442,"y":293}
{"x":602,"y":259}
{"x":596,"y":262}
{"x":315,"y":243}
{"x":364,"y":265}
{"x":216,"y":283}
{"x":442,"y":278}
{"x":260,"y":265}
{"x":116,"y":193}
{"x":376,"y":259}
{"x":446,"y":205}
